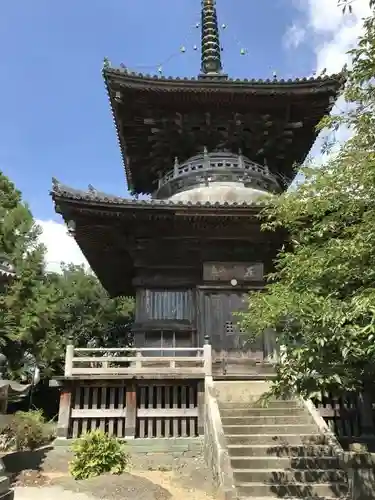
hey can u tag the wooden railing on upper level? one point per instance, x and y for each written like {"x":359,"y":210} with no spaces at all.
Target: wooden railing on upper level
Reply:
{"x":138,"y":361}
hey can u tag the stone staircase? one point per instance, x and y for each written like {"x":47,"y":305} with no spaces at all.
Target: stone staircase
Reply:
{"x":278,"y":452}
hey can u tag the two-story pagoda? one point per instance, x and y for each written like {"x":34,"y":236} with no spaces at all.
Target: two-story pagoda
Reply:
{"x":205,"y":149}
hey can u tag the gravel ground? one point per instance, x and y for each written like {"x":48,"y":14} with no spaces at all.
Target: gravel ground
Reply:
{"x":47,"y":493}
{"x":151,"y":477}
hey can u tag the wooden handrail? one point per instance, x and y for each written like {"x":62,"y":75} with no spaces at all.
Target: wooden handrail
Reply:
{"x":136,"y":349}
{"x":144,"y":359}
{"x":98,"y":360}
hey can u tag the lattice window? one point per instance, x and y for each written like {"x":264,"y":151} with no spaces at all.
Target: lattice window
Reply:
{"x":233,"y":333}
{"x":229,"y":329}
{"x":233,"y":328}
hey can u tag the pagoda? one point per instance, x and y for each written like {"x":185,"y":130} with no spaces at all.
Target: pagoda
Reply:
{"x":205,"y":150}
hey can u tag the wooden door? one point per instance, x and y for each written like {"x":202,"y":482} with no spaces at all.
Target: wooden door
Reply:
{"x":219,"y":321}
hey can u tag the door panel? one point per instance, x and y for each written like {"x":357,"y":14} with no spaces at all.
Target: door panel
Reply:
{"x":218,"y":320}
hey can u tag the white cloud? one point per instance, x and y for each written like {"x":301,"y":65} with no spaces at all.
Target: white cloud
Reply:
{"x":332,"y":54}
{"x":61,"y":247}
{"x":331,"y":32}
{"x":294,"y":36}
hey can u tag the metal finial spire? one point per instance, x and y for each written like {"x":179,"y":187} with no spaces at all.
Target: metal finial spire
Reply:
{"x":211,"y":50}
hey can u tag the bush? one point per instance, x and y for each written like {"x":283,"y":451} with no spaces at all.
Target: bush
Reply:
{"x":96,"y":453}
{"x":24,"y":431}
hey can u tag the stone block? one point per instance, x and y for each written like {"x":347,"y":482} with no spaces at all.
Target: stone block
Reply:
{"x":5,"y":492}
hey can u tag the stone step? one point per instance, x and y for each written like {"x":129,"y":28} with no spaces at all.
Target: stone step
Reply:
{"x":276,"y":412}
{"x":282,"y":476}
{"x":268,"y":422}
{"x":5,"y":487}
{"x":250,"y":428}
{"x":271,"y":439}
{"x":244,"y":462}
{"x":342,"y":497}
{"x":263,"y":419}
{"x":281,"y":451}
{"x":276,"y":403}
{"x":272,"y":430}
{"x":297,"y":490}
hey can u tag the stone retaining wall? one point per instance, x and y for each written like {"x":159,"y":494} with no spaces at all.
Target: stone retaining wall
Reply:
{"x":216,"y":453}
{"x":360,"y":468}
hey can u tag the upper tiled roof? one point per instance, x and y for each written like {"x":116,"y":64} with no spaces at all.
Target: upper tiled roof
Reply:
{"x":151,"y":113}
{"x":109,"y":71}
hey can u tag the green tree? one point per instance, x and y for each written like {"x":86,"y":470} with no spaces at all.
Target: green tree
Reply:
{"x":85,"y":313}
{"x":40,"y":311}
{"x":25,"y":305}
{"x":321,"y":298}
{"x":347,"y":5}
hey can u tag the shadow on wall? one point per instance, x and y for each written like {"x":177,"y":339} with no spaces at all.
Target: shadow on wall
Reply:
{"x":360,"y":468}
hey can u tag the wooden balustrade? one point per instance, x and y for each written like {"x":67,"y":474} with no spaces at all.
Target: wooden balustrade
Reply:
{"x":138,"y":361}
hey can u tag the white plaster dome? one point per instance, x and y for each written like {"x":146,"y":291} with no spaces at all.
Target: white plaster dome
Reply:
{"x":219,"y":192}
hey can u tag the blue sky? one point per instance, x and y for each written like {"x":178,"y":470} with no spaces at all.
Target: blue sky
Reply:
{"x":55,"y":118}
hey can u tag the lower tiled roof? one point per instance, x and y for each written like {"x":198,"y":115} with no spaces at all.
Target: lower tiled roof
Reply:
{"x":92,"y":195}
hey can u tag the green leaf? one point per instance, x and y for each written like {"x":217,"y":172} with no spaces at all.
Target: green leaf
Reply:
{"x":40,"y":310}
{"x":320,"y":297}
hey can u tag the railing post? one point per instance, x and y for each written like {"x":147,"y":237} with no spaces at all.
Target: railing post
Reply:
{"x":105,"y":364}
{"x":175,"y":168}
{"x":207,"y":356}
{"x":138,"y":362}
{"x":69,"y":360}
{"x":172,"y":364}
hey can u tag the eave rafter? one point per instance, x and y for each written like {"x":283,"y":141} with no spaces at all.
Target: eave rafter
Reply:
{"x":114,"y":233}
{"x":190,"y":113}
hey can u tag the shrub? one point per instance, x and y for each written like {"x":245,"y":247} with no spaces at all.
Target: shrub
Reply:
{"x":96,"y":453}
{"x":25,"y":431}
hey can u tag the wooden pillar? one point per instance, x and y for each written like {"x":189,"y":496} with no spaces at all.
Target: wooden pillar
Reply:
{"x":131,"y":410}
{"x":64,"y":412}
{"x":201,"y":408}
